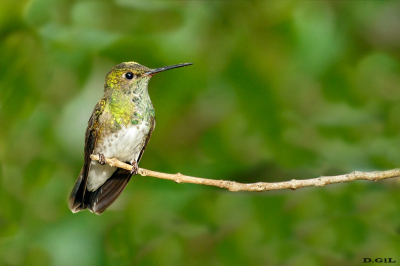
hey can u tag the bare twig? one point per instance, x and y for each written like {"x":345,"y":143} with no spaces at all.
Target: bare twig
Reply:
{"x":259,"y":186}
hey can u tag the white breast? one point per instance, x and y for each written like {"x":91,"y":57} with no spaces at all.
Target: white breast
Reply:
{"x":125,"y":145}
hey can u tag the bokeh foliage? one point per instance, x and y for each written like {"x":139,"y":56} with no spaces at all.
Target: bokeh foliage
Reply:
{"x":278,"y":90}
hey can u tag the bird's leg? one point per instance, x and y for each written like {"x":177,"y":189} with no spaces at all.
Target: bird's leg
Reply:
{"x":102,"y":159}
{"x":135,"y":167}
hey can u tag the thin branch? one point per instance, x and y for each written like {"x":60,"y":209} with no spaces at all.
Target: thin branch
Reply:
{"x":259,"y":186}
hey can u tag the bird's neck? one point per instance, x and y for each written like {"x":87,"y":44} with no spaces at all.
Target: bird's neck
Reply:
{"x":130,"y":107}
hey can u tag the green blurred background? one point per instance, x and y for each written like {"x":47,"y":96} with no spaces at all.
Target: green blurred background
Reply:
{"x":278,"y":90}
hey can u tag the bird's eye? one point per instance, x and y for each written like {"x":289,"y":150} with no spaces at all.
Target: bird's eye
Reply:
{"x":129,"y":75}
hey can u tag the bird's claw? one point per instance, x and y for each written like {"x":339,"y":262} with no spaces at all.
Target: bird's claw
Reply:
{"x":135,"y":168}
{"x":102,"y":159}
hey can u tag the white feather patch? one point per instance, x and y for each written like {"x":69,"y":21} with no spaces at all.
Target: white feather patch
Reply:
{"x":125,"y":145}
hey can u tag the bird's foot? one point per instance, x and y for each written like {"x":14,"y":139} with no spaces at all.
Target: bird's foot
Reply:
{"x":102,"y":159}
{"x":135,"y":168}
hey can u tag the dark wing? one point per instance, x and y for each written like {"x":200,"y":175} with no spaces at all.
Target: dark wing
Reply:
{"x":99,"y":200}
{"x":152,"y":126}
{"x":77,"y":197}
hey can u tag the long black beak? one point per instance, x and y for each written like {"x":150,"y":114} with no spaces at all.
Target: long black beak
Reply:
{"x":161,"y":69}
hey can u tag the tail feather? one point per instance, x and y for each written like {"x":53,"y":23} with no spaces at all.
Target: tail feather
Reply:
{"x":99,"y":200}
{"x":76,"y":200}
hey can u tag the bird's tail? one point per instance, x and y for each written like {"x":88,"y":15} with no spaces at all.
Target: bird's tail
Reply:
{"x":99,"y":200}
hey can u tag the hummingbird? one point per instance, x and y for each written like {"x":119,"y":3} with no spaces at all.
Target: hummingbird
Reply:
{"x":120,"y":127}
